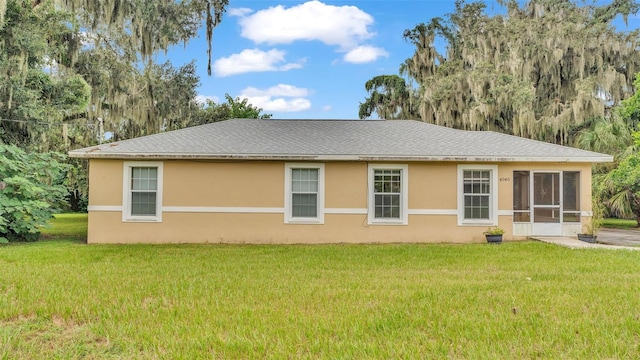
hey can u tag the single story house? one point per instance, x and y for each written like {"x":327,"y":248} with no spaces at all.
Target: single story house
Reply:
{"x":333,"y":181}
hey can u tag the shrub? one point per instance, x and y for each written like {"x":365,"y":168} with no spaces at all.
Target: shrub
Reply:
{"x":494,"y":231}
{"x":29,"y":193}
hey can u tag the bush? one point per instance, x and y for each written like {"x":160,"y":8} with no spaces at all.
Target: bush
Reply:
{"x":29,"y":193}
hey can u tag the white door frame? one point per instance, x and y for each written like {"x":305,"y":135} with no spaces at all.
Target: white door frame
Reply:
{"x":541,"y":228}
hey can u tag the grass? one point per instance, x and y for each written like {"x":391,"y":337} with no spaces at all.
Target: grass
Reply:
{"x":70,"y":226}
{"x":62,"y":299}
{"x":613,"y":223}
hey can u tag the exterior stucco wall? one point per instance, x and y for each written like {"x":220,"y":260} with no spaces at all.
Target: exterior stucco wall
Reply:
{"x":233,"y":184}
{"x":269,"y":229}
{"x":243,"y":202}
{"x":433,"y":186}
{"x":105,"y":183}
{"x":345,"y":191}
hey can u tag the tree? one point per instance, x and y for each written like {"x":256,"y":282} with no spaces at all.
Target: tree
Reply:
{"x":538,"y":72}
{"x":33,"y":95}
{"x":630,"y":108}
{"x":133,"y":96}
{"x":71,"y":70}
{"x":136,"y":28}
{"x":233,"y":109}
{"x":30,"y":191}
{"x":620,"y":188}
{"x":607,"y":135}
{"x":241,"y":109}
{"x":617,"y":185}
{"x":163,"y":98}
{"x":102,"y":49}
{"x":390,"y":98}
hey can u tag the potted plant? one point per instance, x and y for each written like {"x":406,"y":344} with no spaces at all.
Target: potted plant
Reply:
{"x":494,"y":235}
{"x":591,"y":228}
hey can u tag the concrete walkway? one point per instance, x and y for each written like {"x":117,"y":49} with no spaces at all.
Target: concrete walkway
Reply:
{"x":612,"y":239}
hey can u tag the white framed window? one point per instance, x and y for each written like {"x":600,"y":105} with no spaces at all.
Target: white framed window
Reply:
{"x":142,"y":191}
{"x":477,"y":194}
{"x":388,"y":194}
{"x":304,"y":193}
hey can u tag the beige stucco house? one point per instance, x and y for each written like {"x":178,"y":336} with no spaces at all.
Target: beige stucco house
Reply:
{"x":333,"y":181}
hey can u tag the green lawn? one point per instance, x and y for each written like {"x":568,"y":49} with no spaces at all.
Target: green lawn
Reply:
{"x":619,"y":223}
{"x":63,"y":299}
{"x":66,"y":227}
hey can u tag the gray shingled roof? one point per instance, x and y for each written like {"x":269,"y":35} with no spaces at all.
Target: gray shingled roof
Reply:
{"x":401,"y":140}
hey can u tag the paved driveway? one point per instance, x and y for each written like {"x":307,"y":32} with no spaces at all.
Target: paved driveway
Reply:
{"x":614,"y":239}
{"x":619,"y":237}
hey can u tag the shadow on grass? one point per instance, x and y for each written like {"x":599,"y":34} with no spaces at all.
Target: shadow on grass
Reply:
{"x":66,"y":227}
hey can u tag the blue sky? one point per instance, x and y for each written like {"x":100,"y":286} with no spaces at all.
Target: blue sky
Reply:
{"x":308,"y":59}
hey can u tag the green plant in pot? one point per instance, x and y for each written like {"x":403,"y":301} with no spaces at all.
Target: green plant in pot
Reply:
{"x":593,"y":226}
{"x":494,"y":235}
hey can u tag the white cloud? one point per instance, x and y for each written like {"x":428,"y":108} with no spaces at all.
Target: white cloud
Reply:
{"x":253,"y":60}
{"x":364,"y":54}
{"x":278,"y":90}
{"x":326,"y":108}
{"x":202,"y":99}
{"x":280,"y":98}
{"x":344,"y":26}
{"x":291,"y":66}
{"x":241,"y":12}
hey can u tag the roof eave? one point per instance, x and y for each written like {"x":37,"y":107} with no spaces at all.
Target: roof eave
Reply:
{"x":324,"y":157}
